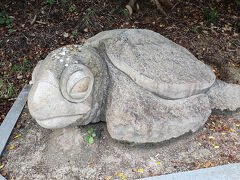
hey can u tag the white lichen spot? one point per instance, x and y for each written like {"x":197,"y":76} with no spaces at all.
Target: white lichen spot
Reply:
{"x":61,"y":60}
{"x":62,"y":53}
{"x":66,"y":65}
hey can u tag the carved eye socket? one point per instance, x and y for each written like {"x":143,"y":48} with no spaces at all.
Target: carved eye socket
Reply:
{"x":78,"y":86}
{"x":81,"y":86}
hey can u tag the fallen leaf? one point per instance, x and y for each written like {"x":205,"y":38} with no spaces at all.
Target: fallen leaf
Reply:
{"x":12,"y":147}
{"x":233,"y":64}
{"x":207,"y":164}
{"x":140,"y":170}
{"x":19,"y":125}
{"x":65,"y":34}
{"x":4,"y":173}
{"x":211,"y":137}
{"x":225,"y":127}
{"x":115,"y":174}
{"x":233,"y":130}
{"x":91,"y":165}
{"x":108,"y":178}
{"x":17,"y":136}
{"x":201,"y":136}
{"x":1,"y":166}
{"x":123,"y":176}
{"x":215,"y":146}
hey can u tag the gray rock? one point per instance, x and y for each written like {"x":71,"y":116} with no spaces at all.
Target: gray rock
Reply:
{"x":136,"y":115}
{"x":224,"y":96}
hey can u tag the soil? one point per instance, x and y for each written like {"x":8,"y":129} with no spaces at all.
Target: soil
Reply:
{"x":37,"y":153}
{"x":40,"y":27}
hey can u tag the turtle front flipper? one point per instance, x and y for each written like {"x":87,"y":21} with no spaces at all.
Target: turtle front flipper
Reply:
{"x":224,"y":96}
{"x":134,"y":114}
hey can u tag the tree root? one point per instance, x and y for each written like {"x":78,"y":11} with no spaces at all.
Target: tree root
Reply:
{"x":159,"y":7}
{"x":130,"y":6}
{"x":168,"y":3}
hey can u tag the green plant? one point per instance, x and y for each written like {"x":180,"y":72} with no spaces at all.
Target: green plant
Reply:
{"x":14,"y":69}
{"x":4,"y":20}
{"x":7,"y":90}
{"x":198,"y":30}
{"x":72,"y":8}
{"x":90,"y":13}
{"x":124,"y":12}
{"x":25,"y":66}
{"x":74,"y":33}
{"x":194,"y":30}
{"x":11,"y":90}
{"x":238,"y":26}
{"x":211,"y":15}
{"x":1,"y":83}
{"x":49,"y":1}
{"x":90,"y":137}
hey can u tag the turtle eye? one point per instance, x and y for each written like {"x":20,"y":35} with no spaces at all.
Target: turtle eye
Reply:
{"x":81,"y":86}
{"x":78,"y":86}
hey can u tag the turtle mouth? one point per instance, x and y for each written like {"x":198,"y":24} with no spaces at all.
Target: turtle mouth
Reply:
{"x":59,"y":121}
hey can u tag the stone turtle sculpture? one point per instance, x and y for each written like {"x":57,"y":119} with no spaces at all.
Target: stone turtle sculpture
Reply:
{"x":146,"y":87}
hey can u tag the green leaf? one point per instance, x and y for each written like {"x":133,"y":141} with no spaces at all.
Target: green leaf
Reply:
{"x":86,"y":138}
{"x":3,"y":13}
{"x":1,"y":82}
{"x":11,"y":31}
{"x":2,"y":20}
{"x":11,"y":91}
{"x":91,"y":140}
{"x":90,"y":131}
{"x":72,"y":8}
{"x":93,"y":135}
{"x":9,"y":26}
{"x":10,"y":20}
{"x":74,"y":33}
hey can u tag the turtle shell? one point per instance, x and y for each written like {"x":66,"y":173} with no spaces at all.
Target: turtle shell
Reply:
{"x":157,"y":64}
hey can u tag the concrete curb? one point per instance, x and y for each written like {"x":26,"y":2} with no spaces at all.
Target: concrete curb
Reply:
{"x":11,"y":119}
{"x":225,"y":172}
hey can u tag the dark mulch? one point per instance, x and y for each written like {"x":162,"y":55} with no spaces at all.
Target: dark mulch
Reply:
{"x":214,"y":39}
{"x":41,"y":27}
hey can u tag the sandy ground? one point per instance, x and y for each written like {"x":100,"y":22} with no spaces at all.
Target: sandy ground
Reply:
{"x":37,"y":153}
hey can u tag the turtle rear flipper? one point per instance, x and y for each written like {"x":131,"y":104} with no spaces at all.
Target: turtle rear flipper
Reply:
{"x":224,"y":96}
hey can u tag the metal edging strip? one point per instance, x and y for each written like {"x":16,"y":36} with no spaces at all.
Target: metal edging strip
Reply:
{"x":11,"y":119}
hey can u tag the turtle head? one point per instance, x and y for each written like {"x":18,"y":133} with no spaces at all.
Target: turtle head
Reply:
{"x":64,"y":90}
